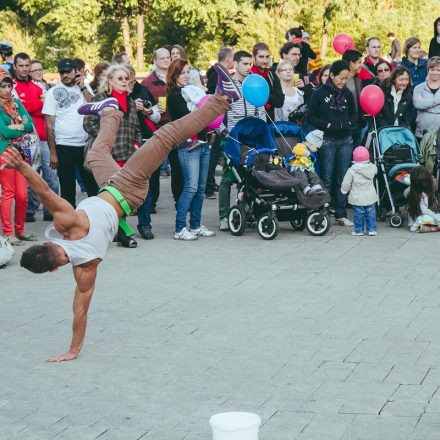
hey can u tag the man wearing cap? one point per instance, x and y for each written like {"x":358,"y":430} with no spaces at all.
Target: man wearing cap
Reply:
{"x":64,"y":128}
{"x":6,"y":54}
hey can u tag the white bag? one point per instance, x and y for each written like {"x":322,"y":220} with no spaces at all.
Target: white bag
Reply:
{"x":6,"y":251}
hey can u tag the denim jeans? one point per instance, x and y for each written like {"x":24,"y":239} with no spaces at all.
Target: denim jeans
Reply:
{"x":335,"y":157}
{"x":216,"y":153}
{"x":144,"y":211}
{"x":364,"y":215}
{"x":195,"y":166}
{"x":49,"y":175}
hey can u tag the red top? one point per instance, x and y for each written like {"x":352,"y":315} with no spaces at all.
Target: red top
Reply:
{"x":256,"y":70}
{"x":122,"y":100}
{"x":30,"y":96}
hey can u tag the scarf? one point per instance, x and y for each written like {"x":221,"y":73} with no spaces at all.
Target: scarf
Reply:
{"x":257,"y":71}
{"x":8,"y":104}
{"x":397,"y":97}
{"x":122,"y":100}
{"x":337,"y":100}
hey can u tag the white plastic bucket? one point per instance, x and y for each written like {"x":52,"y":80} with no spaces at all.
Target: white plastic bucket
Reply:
{"x":235,"y":426}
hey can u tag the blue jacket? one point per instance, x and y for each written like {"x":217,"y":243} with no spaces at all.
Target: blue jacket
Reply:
{"x":418,"y":72}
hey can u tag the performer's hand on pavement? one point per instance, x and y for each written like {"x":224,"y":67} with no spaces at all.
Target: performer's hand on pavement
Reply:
{"x":69,"y":356}
{"x":11,"y":158}
{"x":53,"y":160}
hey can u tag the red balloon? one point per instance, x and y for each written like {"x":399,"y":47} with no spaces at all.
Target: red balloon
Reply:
{"x":372,"y":99}
{"x":342,"y":42}
{"x":218,"y":120}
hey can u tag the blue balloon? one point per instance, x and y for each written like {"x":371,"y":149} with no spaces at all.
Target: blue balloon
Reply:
{"x":255,"y":90}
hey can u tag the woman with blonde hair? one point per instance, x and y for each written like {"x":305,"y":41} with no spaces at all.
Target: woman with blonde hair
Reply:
{"x":115,"y":83}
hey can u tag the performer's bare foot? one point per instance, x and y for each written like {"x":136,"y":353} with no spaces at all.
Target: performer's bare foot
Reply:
{"x":69,"y":356}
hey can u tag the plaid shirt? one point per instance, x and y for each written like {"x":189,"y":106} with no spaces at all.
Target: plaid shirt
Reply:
{"x":129,"y":130}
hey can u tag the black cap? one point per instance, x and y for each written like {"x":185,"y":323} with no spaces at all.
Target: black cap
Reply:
{"x":66,"y":65}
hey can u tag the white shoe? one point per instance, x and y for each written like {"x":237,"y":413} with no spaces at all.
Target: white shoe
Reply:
{"x":372,"y":233}
{"x":184,"y":234}
{"x":203,"y":231}
{"x":344,"y":222}
{"x":357,"y":233}
{"x":224,"y":224}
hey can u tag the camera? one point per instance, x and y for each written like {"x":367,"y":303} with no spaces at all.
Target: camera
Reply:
{"x":147,"y":104}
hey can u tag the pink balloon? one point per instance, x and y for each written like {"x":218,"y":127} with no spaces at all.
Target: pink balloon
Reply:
{"x":372,"y":99}
{"x":217,"y":121}
{"x":342,"y":42}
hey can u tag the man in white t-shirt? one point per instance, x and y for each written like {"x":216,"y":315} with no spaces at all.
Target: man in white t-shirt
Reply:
{"x":65,"y":133}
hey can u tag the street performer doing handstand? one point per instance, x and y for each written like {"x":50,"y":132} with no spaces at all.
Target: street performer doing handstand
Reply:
{"x":88,"y":230}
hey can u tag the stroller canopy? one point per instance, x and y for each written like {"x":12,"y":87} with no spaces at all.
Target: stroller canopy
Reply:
{"x":391,"y":136}
{"x":250,"y":131}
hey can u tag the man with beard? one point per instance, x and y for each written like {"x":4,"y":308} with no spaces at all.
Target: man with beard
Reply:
{"x":64,"y":128}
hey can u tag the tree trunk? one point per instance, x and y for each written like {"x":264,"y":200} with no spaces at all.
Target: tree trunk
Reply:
{"x":325,"y":17}
{"x":126,"y":36}
{"x":140,"y":42}
{"x":324,"y":43}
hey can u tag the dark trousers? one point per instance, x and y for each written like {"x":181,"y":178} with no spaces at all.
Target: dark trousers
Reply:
{"x":176,"y":175}
{"x":155,"y":186}
{"x":216,"y":152}
{"x":68,"y":159}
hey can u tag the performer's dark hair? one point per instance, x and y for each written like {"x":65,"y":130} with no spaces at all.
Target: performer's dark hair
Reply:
{"x":38,"y":259}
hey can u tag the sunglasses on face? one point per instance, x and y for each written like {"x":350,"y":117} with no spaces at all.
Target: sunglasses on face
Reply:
{"x":122,"y":78}
{"x":383,"y":70}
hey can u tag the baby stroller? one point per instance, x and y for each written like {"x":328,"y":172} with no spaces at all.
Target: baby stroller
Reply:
{"x":266,"y":190}
{"x":395,"y":151}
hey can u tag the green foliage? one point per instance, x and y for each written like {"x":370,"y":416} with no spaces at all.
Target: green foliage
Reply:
{"x":91,"y":28}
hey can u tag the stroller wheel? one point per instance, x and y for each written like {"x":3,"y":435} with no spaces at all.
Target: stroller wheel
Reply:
{"x":237,"y":220}
{"x":268,"y":227}
{"x":299,"y":223}
{"x":317,"y":223}
{"x":396,"y":221}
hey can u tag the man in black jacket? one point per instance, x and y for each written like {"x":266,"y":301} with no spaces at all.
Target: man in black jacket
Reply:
{"x":261,"y":58}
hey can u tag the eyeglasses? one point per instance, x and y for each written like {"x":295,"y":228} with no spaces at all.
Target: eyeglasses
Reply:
{"x":36,"y":70}
{"x":122,"y":78}
{"x":382,"y":70}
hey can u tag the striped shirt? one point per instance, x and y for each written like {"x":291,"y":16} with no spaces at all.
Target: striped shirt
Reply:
{"x":239,"y":110}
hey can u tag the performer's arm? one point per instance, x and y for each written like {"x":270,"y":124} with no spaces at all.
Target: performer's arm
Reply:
{"x":11,"y":158}
{"x":85,"y":277}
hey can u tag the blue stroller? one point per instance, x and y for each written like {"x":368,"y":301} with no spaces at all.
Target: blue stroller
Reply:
{"x":266,"y":190}
{"x":395,"y":151}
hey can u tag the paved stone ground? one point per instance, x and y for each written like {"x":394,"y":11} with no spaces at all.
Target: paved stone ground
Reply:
{"x":332,"y":338}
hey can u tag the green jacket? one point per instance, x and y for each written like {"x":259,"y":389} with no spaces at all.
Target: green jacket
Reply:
{"x":6,"y":134}
{"x":427,"y":149}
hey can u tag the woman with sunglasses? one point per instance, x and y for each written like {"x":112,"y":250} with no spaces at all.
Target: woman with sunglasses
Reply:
{"x":115,"y":83}
{"x":383,"y":71}
{"x":14,"y":123}
{"x":398,"y":108}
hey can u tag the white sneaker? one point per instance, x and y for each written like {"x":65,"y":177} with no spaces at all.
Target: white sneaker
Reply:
{"x":357,"y":233}
{"x":203,"y":231}
{"x":372,"y":233}
{"x":224,"y":224}
{"x":184,"y":234}
{"x":344,"y":222}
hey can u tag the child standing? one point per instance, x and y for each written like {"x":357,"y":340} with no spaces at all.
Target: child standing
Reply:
{"x":358,"y":182}
{"x":422,"y":202}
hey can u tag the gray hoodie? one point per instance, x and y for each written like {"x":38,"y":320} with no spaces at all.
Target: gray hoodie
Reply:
{"x":358,"y":181}
{"x":428,"y":108}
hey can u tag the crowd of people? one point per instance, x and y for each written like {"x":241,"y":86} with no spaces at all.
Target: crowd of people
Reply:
{"x":324,"y":100}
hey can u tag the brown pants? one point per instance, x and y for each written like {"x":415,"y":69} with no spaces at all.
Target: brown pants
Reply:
{"x":132,"y":179}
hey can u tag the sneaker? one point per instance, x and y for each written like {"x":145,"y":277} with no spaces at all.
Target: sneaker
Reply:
{"x":146,"y":233}
{"x":344,"y":222}
{"x":225,"y":84}
{"x":372,"y":233}
{"x":203,"y":231}
{"x":357,"y":233}
{"x":96,"y":108}
{"x":210,"y":195}
{"x":30,"y":218}
{"x":184,"y":234}
{"x":224,"y":224}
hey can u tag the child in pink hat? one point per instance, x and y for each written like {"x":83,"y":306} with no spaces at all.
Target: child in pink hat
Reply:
{"x":359,"y":184}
